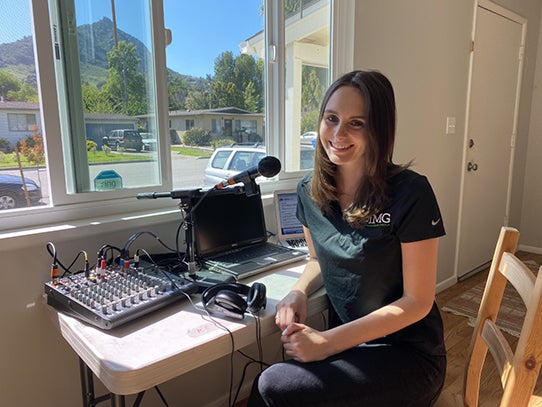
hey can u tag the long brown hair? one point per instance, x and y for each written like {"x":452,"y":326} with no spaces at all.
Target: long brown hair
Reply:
{"x":380,"y":113}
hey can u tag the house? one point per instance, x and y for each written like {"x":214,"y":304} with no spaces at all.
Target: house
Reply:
{"x":97,"y":126}
{"x":18,"y":121}
{"x":224,"y":123}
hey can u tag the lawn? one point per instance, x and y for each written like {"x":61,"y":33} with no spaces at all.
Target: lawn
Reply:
{"x":96,"y":157}
{"x":192,"y":151}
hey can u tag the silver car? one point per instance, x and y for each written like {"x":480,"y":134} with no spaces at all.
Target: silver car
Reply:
{"x":229,"y":161}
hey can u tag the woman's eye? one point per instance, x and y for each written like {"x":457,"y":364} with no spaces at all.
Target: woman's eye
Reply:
{"x":358,"y":124}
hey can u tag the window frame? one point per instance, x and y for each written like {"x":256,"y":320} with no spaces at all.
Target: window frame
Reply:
{"x":120,"y":204}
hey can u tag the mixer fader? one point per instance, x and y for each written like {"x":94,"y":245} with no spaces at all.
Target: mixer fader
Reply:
{"x":109,"y":297}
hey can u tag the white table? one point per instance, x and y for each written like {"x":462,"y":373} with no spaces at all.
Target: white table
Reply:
{"x":170,"y":342}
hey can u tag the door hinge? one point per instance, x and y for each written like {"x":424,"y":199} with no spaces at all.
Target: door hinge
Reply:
{"x":472,"y":46}
{"x":513,"y":140}
{"x":521,"y":52}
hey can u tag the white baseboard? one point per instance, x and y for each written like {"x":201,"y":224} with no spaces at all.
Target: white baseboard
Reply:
{"x":530,"y":249}
{"x":446,"y":284}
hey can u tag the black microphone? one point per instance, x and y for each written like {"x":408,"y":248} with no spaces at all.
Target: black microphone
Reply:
{"x":153,"y":195}
{"x":268,"y":167}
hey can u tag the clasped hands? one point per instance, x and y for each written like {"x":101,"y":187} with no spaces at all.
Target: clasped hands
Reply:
{"x":301,"y":342}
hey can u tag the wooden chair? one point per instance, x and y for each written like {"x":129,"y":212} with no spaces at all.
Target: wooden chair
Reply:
{"x":518,"y":370}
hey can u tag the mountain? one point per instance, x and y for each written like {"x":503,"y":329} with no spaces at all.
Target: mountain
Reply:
{"x":95,"y":41}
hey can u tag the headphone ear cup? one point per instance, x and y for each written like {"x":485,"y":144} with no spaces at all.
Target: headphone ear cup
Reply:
{"x":231,"y":301}
{"x":256,"y":297}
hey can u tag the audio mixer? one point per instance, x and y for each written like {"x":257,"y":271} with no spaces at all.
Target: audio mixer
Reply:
{"x":111,"y":296}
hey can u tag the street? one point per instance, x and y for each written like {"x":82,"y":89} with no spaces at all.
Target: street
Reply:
{"x":187,"y":173}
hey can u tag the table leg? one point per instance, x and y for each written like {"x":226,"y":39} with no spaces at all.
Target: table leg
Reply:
{"x":87,"y":389}
{"x":87,"y":384}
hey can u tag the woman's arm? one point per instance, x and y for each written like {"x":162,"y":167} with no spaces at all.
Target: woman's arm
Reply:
{"x":293,"y":307}
{"x":419,"y":280}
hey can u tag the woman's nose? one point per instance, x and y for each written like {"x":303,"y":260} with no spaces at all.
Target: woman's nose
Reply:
{"x":340,"y":131}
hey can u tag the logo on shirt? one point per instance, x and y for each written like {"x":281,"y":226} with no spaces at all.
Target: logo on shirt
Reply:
{"x":435,"y":222}
{"x":380,"y":220}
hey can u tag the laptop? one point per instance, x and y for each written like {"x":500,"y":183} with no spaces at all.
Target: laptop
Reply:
{"x":289,"y":228}
{"x":230,"y":235}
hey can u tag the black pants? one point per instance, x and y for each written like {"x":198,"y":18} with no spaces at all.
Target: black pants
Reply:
{"x":367,"y":375}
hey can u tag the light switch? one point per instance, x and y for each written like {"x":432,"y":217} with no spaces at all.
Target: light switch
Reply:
{"x":450,"y":125}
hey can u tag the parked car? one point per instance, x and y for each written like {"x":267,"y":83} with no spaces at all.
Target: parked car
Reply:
{"x":309,"y":138}
{"x":128,"y":139}
{"x":149,"y":141}
{"x":12,"y":192}
{"x":228,"y":161}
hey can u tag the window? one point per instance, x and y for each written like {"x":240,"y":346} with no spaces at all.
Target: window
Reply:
{"x":251,"y":71}
{"x":21,"y":122}
{"x":110,"y":84}
{"x":23,"y":170}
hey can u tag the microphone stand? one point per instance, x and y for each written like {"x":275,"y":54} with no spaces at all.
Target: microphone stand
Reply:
{"x":186,"y":208}
{"x":188,"y":202}
{"x":203,"y":279}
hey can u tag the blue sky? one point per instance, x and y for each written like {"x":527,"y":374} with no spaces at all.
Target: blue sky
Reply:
{"x":201,"y":29}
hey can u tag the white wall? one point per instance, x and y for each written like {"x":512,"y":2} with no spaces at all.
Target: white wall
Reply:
{"x":422,"y":45}
{"x":531,"y":220}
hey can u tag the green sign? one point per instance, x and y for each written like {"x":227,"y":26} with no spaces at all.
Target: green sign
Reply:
{"x":107,"y":180}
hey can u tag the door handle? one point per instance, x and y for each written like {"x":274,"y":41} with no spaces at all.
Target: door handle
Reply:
{"x":472,"y":166}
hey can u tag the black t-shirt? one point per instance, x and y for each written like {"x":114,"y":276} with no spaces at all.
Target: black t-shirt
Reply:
{"x":362,"y":268}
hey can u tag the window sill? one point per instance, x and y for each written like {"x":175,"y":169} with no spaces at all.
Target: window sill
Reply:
{"x":28,"y":228}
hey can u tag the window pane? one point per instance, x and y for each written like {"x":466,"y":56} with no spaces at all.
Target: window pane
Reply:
{"x":111,"y":93}
{"x":23,"y":171}
{"x":307,"y":50}
{"x":216,"y":88}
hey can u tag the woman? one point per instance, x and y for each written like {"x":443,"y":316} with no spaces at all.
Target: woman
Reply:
{"x":372,"y":228}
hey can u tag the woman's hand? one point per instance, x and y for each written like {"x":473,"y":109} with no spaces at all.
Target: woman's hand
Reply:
{"x":305,"y":344}
{"x":292,"y":308}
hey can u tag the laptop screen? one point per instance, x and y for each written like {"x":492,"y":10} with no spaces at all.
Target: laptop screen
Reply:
{"x":288,"y":226}
{"x":228,"y":219}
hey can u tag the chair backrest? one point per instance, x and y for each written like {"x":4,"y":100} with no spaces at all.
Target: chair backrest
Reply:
{"x":518,"y":370}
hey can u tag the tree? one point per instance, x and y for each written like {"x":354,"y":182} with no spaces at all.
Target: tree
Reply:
{"x":237,"y":82}
{"x":125,"y":85}
{"x":25,"y":93}
{"x":312,"y":91}
{"x":197,"y":100}
{"x":97,"y":101}
{"x":32,"y":148}
{"x":8,"y":83}
{"x":177,"y":90}
{"x":224,"y":68}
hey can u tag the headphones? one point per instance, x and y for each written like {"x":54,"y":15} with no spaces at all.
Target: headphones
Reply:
{"x":229,"y":299}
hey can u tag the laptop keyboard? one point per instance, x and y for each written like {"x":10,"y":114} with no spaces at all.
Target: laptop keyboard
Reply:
{"x":247,"y":254}
{"x":297,"y":243}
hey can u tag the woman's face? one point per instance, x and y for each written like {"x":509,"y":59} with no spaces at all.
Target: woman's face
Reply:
{"x":343,"y":132}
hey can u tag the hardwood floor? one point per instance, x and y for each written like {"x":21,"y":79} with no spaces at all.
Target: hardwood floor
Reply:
{"x":458,"y":335}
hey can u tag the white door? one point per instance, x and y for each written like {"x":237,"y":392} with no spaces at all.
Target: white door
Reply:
{"x":488,"y":157}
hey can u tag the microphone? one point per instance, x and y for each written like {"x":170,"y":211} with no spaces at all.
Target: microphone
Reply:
{"x":153,"y":195}
{"x":268,"y":167}
{"x":175,"y":194}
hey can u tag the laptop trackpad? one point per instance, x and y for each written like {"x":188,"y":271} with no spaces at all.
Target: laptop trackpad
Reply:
{"x":265,"y":261}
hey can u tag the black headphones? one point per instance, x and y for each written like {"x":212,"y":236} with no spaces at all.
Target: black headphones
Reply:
{"x":228,"y":299}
